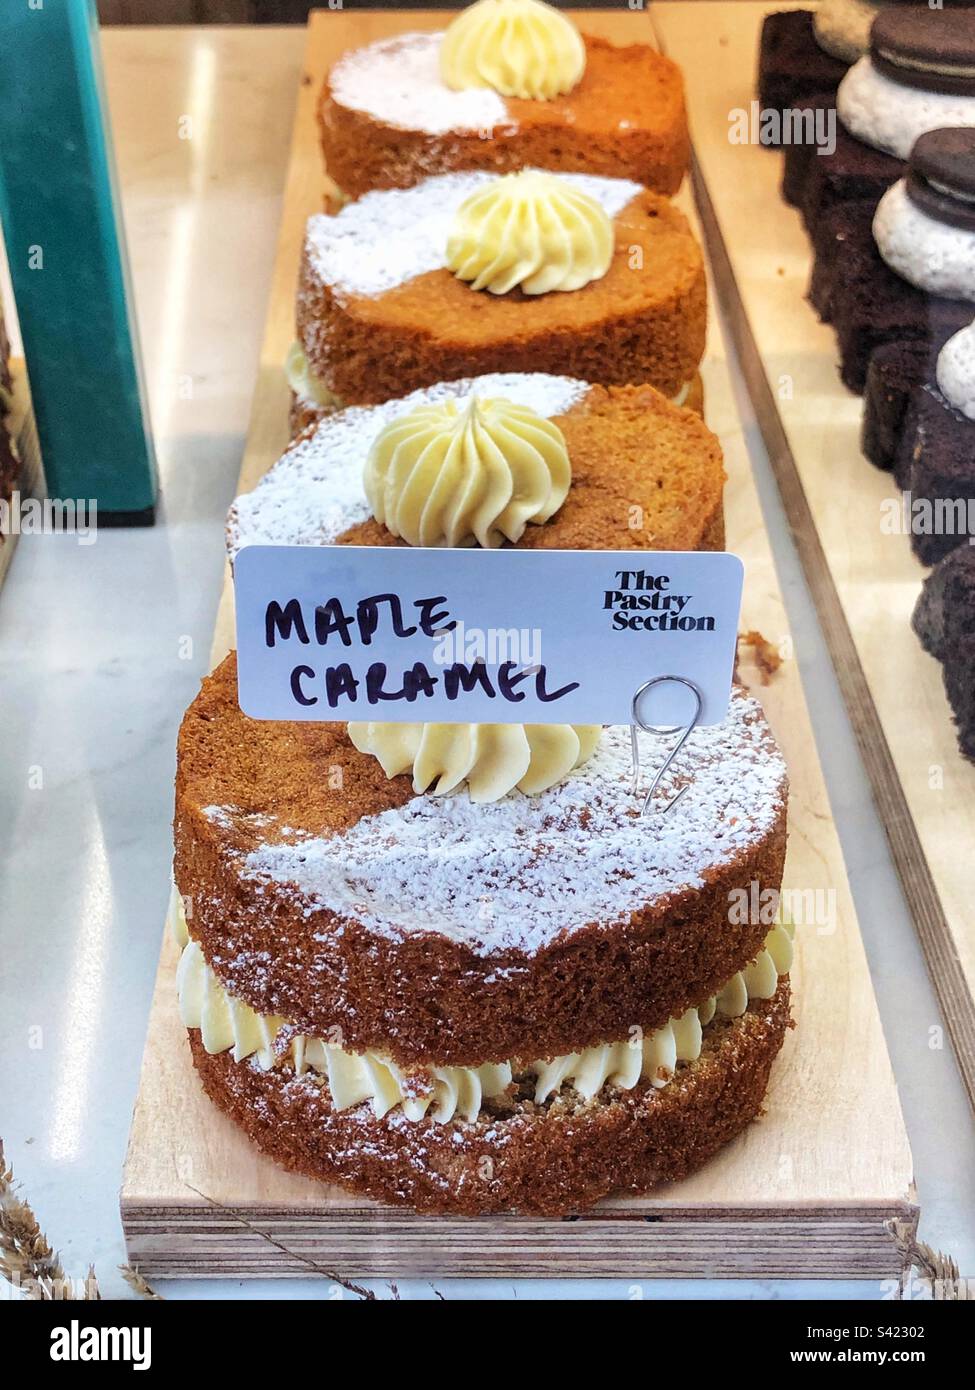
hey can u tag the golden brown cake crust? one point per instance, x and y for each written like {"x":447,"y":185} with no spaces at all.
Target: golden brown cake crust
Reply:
{"x":625,"y":119}
{"x":644,"y":321}
{"x":423,"y":997}
{"x":549,"y":1160}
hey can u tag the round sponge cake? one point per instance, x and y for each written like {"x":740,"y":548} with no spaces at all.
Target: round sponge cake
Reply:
{"x":387,"y":119}
{"x":379,"y":313}
{"x":646,"y":474}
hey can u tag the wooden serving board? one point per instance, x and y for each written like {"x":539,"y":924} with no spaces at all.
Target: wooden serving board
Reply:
{"x":809,"y":1190}
{"x":864,"y":581}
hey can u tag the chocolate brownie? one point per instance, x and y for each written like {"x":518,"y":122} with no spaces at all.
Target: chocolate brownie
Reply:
{"x":791,"y":65}
{"x":944,"y":620}
{"x":935,"y":462}
{"x":801,"y":155}
{"x":868,"y":303}
{"x":895,"y":370}
{"x":847,"y":222}
{"x":854,"y":171}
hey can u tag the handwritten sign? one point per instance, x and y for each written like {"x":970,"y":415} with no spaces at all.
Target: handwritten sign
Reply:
{"x":483,"y":636}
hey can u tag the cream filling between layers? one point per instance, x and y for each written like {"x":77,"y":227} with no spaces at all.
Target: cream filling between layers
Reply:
{"x":456,"y":1093}
{"x":956,"y":371}
{"x":305,"y":384}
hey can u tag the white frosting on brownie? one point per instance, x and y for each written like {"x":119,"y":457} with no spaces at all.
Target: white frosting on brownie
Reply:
{"x":891,"y":115}
{"x":926,"y":252}
{"x":956,"y":371}
{"x":842,"y":27}
{"x":520,"y":872}
{"x":393,"y":235}
{"x":315,"y":492}
{"x":397,"y":81}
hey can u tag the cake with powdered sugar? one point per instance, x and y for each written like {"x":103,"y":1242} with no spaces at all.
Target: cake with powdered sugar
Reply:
{"x":645,"y":473}
{"x":399,"y":110}
{"x":523,"y":1005}
{"x":452,"y":965}
{"x":469,"y":273}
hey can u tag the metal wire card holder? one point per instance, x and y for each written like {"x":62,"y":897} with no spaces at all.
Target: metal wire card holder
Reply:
{"x":661,"y":731}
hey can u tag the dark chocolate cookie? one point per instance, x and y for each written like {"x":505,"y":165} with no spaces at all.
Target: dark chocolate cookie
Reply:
{"x":920,"y":47}
{"x":941,"y":176}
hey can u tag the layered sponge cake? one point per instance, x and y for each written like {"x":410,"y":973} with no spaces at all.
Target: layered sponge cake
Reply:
{"x":465,"y":274}
{"x":510,"y":84}
{"x":523,"y":1005}
{"x":645,"y":474}
{"x":453,"y":965}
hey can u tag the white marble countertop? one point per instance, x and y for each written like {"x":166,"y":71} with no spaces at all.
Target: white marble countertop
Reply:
{"x":93,"y":694}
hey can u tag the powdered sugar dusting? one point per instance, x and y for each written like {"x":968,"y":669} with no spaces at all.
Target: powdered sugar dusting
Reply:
{"x":393,"y":235}
{"x":517,"y":873}
{"x":397,"y":81}
{"x":315,"y":491}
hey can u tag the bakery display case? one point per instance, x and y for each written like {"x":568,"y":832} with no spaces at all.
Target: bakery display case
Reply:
{"x":632,"y":453}
{"x":673,"y":997}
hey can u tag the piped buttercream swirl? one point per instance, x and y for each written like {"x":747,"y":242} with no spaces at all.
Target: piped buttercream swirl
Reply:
{"x":519,"y":48}
{"x":447,"y":1094}
{"x":493,"y":759}
{"x":533,"y":231}
{"x":460,"y":472}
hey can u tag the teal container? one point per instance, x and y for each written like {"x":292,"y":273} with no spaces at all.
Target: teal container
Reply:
{"x":66,"y":247}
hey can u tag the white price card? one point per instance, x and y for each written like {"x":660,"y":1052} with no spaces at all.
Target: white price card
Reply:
{"x":484,"y":636}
